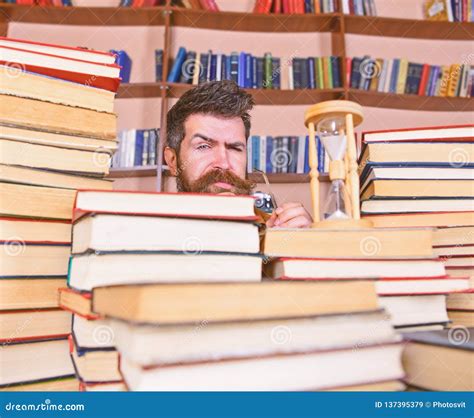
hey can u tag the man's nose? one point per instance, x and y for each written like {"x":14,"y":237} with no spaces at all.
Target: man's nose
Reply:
{"x":221,"y":158}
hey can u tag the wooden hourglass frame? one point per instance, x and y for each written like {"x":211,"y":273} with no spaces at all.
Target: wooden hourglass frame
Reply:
{"x":345,"y":170}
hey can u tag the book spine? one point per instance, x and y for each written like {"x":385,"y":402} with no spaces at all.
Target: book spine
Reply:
{"x":304,"y":73}
{"x":248,"y":71}
{"x":276,"y":77}
{"x":256,"y":152}
{"x":249,"y":156}
{"x":138,"y":152}
{"x":297,"y":69}
{"x":260,"y":72}
{"x":241,"y":71}
{"x":268,"y":158}
{"x":413,"y":78}
{"x":146,"y":147}
{"x":311,"y":73}
{"x":285,"y":151}
{"x":301,"y":155}
{"x":293,"y":154}
{"x":213,"y":68}
{"x":159,"y":65}
{"x":267,"y":83}
{"x":254,"y":72}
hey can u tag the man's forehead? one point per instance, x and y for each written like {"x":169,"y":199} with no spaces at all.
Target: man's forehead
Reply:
{"x":215,"y":127}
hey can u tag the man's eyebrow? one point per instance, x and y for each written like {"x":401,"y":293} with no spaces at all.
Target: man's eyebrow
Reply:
{"x":202,"y":136}
{"x":213,"y":141}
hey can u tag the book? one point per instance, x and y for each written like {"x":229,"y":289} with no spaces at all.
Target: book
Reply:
{"x":25,"y":325}
{"x":186,"y":205}
{"x":80,"y":303}
{"x":92,"y":334}
{"x":54,"y":90}
{"x":453,"y":235}
{"x":64,"y":384}
{"x":87,"y":271}
{"x":417,"y":154}
{"x":445,"y":219}
{"x":190,"y":303}
{"x":144,"y":233}
{"x":29,"y":362}
{"x":24,"y":154}
{"x":309,"y":371}
{"x":380,"y":189}
{"x":23,"y":259}
{"x":357,"y":243}
{"x":331,"y":269}
{"x":408,"y":206}
{"x":415,"y":310}
{"x":36,"y":202}
{"x":461,"y":318}
{"x":34,"y":136}
{"x":26,"y":293}
{"x":219,"y":341}
{"x":31,"y":230}
{"x":29,"y":113}
{"x":95,"y":366}
{"x":449,"y":351}
{"x":462,"y":301}
{"x":454,"y":133}
{"x":59,"y":179}
{"x":99,"y":75}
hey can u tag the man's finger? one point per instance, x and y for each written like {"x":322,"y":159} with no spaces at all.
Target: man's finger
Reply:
{"x":287,"y":205}
{"x":271,"y":220}
{"x":290,"y":213}
{"x":298,"y":222}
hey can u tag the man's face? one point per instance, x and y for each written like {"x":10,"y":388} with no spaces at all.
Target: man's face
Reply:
{"x":213,"y":156}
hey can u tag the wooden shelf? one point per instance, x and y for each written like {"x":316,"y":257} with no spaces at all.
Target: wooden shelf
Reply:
{"x":408,"y":28}
{"x":145,"y":171}
{"x":411,"y":101}
{"x":83,"y":16}
{"x":261,"y":96}
{"x":254,"y":22}
{"x":311,"y":96}
{"x":182,"y":17}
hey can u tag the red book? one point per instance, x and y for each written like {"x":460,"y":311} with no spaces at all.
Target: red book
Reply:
{"x":259,"y":6}
{"x":267,"y":6}
{"x":286,"y":6}
{"x":424,"y":79}
{"x":348,"y":70}
{"x":300,"y":7}
{"x":212,"y":6}
{"x":277,"y":6}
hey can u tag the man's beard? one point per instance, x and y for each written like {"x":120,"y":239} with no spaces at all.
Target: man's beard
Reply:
{"x":205,"y":183}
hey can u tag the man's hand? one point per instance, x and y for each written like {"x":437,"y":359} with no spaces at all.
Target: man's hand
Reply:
{"x":290,"y":215}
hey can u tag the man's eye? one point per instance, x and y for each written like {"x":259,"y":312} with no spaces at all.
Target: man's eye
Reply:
{"x":203,"y":146}
{"x":239,"y":149}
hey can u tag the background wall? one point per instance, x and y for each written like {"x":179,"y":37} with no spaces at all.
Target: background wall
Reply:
{"x":140,"y":43}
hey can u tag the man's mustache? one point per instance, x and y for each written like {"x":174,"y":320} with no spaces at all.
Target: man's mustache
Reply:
{"x":242,"y":186}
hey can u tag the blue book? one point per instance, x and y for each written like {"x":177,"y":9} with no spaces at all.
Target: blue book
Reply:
{"x":204,"y":67}
{"x":241,"y":72}
{"x":336,"y":71}
{"x":159,"y":65}
{"x":175,"y":72}
{"x":260,"y":62}
{"x":224,"y":68}
{"x":124,"y":61}
{"x":438,"y":74}
{"x":311,"y":75}
{"x":248,"y":71}
{"x":306,"y":155}
{"x":256,"y":152}
{"x":413,"y":78}
{"x":307,"y":6}
{"x":321,"y":152}
{"x":213,"y":70}
{"x":394,"y":75}
{"x":355,"y":72}
{"x":276,"y":84}
{"x":254,"y":72}
{"x":188,"y":68}
{"x":227,"y":67}
{"x":138,"y":157}
{"x":268,"y":168}
{"x":234,"y":67}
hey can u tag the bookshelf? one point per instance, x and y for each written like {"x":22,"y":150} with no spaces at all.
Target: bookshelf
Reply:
{"x":337,"y":26}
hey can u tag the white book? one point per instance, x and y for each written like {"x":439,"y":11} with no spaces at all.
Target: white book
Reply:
{"x":345,"y":7}
{"x":263,"y":153}
{"x":389,"y":76}
{"x":383,"y":76}
{"x":291,"y":85}
{"x":218,"y":67}
{"x":449,"y":10}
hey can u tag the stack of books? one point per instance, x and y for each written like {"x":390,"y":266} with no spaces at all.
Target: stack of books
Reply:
{"x":137,"y":147}
{"x":461,"y":307}
{"x":399,"y":76}
{"x":424,"y":177}
{"x":57,"y":134}
{"x":411,"y":283}
{"x":439,"y":360}
{"x":178,"y":277}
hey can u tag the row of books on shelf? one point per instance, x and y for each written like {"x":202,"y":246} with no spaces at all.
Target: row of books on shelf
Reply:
{"x":137,"y":147}
{"x":90,"y":3}
{"x":449,"y":10}
{"x":249,"y":71}
{"x":400,"y":76}
{"x":283,"y":154}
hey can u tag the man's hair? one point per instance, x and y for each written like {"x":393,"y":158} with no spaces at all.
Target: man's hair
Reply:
{"x":220,"y":98}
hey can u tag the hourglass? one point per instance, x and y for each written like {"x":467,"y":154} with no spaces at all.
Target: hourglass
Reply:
{"x":334,"y":123}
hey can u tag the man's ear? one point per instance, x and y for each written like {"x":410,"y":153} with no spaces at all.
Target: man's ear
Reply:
{"x":171,"y":160}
